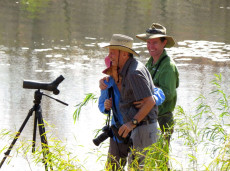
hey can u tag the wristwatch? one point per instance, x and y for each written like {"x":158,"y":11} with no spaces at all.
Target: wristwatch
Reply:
{"x":134,"y":122}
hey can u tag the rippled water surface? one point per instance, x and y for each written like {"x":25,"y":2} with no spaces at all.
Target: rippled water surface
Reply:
{"x":42,"y":39}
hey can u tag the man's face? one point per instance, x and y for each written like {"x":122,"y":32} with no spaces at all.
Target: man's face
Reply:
{"x":156,"y":46}
{"x":113,"y":56}
{"x":115,"y":53}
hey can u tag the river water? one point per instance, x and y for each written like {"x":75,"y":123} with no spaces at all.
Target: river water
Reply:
{"x":42,"y":39}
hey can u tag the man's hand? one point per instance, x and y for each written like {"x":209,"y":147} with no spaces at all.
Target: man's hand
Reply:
{"x":102,"y":85}
{"x":140,"y":103}
{"x":125,"y":129}
{"x":108,"y":104}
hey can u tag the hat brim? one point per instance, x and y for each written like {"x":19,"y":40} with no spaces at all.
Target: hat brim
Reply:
{"x":123,"y":48}
{"x":146,"y":36}
{"x":106,"y":71}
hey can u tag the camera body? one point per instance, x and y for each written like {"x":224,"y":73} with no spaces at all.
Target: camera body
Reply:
{"x":107,"y":132}
{"x":110,"y":132}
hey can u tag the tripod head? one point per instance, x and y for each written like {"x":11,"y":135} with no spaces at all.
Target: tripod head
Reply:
{"x":52,"y":86}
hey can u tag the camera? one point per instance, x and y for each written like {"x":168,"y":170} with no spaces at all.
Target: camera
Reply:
{"x":110,"y":132}
{"x":107,"y":132}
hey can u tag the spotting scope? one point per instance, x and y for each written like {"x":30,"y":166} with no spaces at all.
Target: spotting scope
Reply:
{"x":52,"y":86}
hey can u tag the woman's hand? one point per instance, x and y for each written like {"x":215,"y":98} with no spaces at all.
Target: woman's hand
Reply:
{"x":108,"y":104}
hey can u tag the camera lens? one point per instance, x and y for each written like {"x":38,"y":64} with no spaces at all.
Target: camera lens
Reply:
{"x":97,"y":141}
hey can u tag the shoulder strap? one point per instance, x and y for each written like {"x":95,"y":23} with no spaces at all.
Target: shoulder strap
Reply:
{"x":111,"y":94}
{"x":158,"y":66}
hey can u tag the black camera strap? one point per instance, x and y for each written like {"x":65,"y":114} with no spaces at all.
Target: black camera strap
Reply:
{"x":111,"y":95}
{"x":108,"y":116}
{"x":158,"y":66}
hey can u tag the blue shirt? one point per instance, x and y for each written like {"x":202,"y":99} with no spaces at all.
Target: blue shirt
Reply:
{"x":158,"y":95}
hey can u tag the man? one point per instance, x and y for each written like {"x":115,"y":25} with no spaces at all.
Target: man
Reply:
{"x":110,"y":96}
{"x":136,"y":85}
{"x":164,"y":73}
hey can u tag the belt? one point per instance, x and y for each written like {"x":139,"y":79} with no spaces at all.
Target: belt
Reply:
{"x":147,"y":122}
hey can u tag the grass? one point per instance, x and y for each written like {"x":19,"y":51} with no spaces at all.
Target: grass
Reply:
{"x":55,"y":156}
{"x":203,"y":132}
{"x":206,"y":130}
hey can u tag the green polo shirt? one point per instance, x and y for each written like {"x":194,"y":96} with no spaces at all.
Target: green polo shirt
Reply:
{"x":166,"y":78}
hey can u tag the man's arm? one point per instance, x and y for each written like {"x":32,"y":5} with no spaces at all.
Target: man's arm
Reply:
{"x":148,"y":104}
{"x":158,"y":97}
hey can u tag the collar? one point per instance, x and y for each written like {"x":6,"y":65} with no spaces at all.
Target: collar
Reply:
{"x":126,"y":67}
{"x":164,"y":53}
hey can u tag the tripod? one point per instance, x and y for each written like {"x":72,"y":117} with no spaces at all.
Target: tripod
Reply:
{"x":38,"y":120}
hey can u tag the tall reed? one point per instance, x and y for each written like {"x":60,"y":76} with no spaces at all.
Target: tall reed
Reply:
{"x":56,"y":156}
{"x":204,"y":132}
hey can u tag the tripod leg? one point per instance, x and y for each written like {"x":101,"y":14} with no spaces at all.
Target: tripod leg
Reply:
{"x":17,"y":136}
{"x":34,"y":133}
{"x":42,"y":132}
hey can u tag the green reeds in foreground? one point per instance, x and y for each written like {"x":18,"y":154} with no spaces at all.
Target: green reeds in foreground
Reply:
{"x":204,"y":132}
{"x":55,"y":155}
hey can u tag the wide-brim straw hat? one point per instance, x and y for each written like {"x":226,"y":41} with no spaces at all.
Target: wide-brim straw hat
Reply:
{"x":156,"y":31}
{"x":122,"y":42}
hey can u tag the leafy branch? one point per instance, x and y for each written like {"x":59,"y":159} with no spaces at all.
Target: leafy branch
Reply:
{"x":89,"y":97}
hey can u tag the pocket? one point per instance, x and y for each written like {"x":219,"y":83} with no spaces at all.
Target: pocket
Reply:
{"x":154,"y":132}
{"x":136,"y":138}
{"x":153,"y":136}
